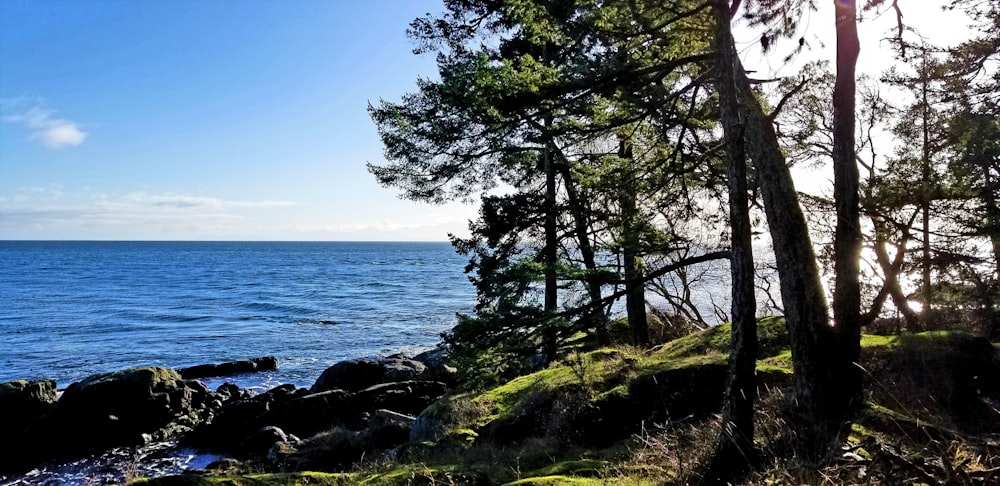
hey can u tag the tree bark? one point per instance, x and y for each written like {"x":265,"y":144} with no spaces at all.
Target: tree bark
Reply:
{"x":595,"y":318}
{"x":734,"y":451}
{"x":847,"y":239}
{"x":635,"y":287}
{"x":891,"y":270}
{"x":925,"y":195}
{"x":549,"y":344}
{"x":816,"y":425}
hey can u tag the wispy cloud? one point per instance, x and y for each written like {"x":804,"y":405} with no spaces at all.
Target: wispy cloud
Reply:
{"x":52,"y":210}
{"x":46,"y":127}
{"x":431,"y":221}
{"x":184,"y":202}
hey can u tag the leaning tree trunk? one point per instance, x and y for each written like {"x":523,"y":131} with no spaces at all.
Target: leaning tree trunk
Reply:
{"x":847,"y":239}
{"x":816,"y":425}
{"x":734,"y":452}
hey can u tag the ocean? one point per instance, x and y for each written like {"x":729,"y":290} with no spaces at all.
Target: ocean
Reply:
{"x":71,"y":309}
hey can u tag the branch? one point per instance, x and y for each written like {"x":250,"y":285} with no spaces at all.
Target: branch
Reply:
{"x":786,"y":97}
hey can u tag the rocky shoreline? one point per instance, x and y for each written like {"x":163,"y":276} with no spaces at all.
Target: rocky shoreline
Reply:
{"x":354,"y":408}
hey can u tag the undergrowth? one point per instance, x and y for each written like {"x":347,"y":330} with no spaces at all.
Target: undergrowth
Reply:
{"x":930,"y":418}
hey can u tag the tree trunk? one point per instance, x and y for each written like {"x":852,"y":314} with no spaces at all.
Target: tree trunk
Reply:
{"x":847,"y":239}
{"x":595,"y":317}
{"x":816,"y":425}
{"x":925,"y":196}
{"x":635,"y":286}
{"x":891,"y":271}
{"x":549,"y":345}
{"x":734,"y":452}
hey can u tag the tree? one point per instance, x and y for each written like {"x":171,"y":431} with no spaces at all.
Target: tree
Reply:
{"x":735,"y":450}
{"x":533,"y":96}
{"x":820,"y":407}
{"x":847,"y":238}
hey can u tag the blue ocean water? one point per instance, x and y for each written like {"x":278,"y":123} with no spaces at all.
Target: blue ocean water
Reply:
{"x":72,"y":309}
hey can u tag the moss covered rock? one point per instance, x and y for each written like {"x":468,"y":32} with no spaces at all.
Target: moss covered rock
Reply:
{"x":22,"y":401}
{"x":949,"y":377}
{"x":23,"y":405}
{"x":123,"y":408}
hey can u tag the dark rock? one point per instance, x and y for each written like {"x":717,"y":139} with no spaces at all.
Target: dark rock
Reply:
{"x":951,"y":374}
{"x":259,"y":443}
{"x":355,"y":375}
{"x":231,"y":425}
{"x":143,"y":395}
{"x":23,"y":405}
{"x":402,"y":369}
{"x":340,"y":448}
{"x":224,"y":464}
{"x":22,"y":401}
{"x":438,"y":369}
{"x":350,"y":375}
{"x":237,"y":418}
{"x":407,"y":397}
{"x":116,"y":408}
{"x":229,"y":391}
{"x":124,"y":408}
{"x":306,"y":415}
{"x":266,"y":363}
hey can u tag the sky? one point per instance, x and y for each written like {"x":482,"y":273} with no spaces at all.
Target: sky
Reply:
{"x":226,"y":119}
{"x":205,"y":120}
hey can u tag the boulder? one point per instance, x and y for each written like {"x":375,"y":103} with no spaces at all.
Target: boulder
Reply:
{"x":259,"y":443}
{"x":407,"y":397}
{"x":306,"y":415}
{"x":266,"y":363}
{"x":109,"y":410}
{"x":438,"y":369}
{"x":23,"y":405}
{"x":117,"y":408}
{"x":239,"y":417}
{"x":22,"y":401}
{"x":340,"y":448}
{"x":228,"y":391}
{"x":355,"y":375}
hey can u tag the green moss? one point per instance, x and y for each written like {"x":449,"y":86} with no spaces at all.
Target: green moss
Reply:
{"x":462,"y":436}
{"x":918,"y":340}
{"x":653,"y":366}
{"x":558,"y":480}
{"x":891,"y":421}
{"x":409,"y":474}
{"x":589,"y":467}
{"x":780,"y":361}
{"x":712,"y":339}
{"x":283,"y":479}
{"x":772,"y":336}
{"x":12,"y":387}
{"x":145,"y":374}
{"x":769,"y":369}
{"x":596,"y":370}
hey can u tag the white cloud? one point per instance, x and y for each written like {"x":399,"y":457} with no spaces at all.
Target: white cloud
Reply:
{"x":61,"y":134}
{"x":52,"y":131}
{"x":50,"y":211}
{"x":184,"y":202}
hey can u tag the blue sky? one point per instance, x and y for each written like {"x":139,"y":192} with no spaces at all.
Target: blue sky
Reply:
{"x":187,"y":119}
{"x":228,"y":119}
